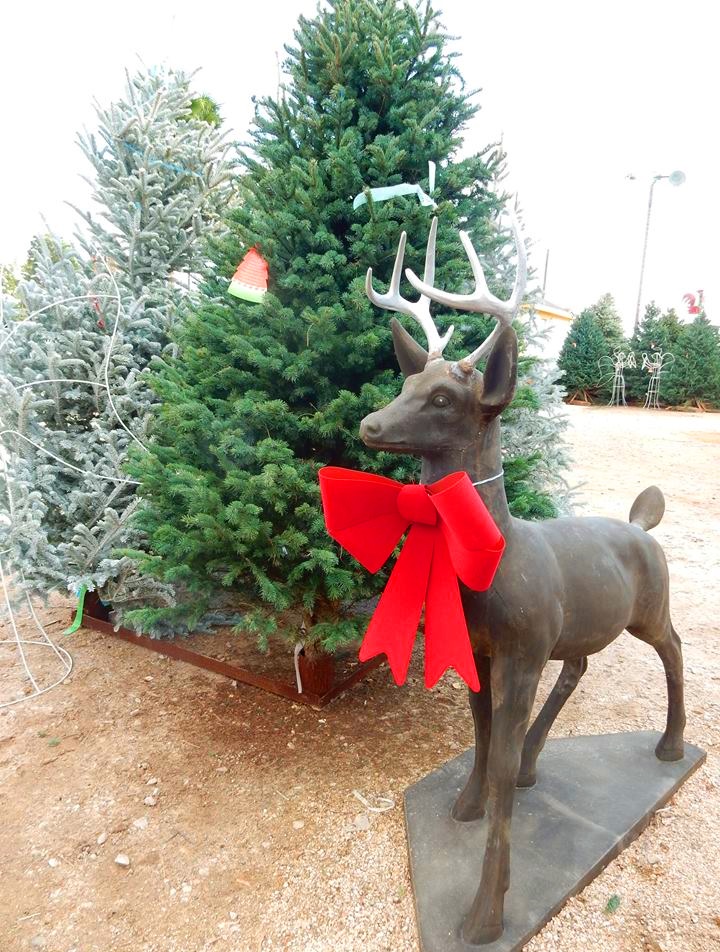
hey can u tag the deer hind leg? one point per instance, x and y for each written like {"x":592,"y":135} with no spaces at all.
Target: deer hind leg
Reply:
{"x":470,"y":805}
{"x":671,"y":745}
{"x":513,"y":692}
{"x":566,"y":683}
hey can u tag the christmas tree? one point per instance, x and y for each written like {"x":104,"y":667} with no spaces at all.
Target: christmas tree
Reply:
{"x":582,"y":356}
{"x":84,"y":325}
{"x":656,"y":334}
{"x":694,"y":375}
{"x":608,"y":320}
{"x":262,"y":394}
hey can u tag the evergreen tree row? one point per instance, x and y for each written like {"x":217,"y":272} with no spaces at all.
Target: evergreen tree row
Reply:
{"x":691,"y":373}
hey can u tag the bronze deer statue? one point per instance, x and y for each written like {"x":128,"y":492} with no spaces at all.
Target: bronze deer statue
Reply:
{"x":565,"y":588}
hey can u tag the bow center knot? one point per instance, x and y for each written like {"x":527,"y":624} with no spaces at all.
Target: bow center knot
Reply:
{"x":415,"y":505}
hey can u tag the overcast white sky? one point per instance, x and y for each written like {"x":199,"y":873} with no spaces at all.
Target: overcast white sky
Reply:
{"x":582,"y":93}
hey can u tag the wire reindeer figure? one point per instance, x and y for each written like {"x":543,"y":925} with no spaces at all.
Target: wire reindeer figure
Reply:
{"x":615,"y":366}
{"x":655,"y":364}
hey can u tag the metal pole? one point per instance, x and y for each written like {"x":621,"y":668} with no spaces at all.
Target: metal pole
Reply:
{"x":547,"y":259}
{"x":644,"y":254}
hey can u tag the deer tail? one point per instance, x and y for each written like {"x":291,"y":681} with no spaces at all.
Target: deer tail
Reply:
{"x":648,"y":508}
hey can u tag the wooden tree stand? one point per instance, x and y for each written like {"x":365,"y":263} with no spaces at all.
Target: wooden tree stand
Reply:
{"x":320,"y":680}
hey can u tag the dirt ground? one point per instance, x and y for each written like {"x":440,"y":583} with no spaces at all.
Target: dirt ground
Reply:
{"x":257,"y":834}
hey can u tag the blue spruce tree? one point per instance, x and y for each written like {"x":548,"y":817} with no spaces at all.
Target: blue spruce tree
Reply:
{"x":81,"y":327}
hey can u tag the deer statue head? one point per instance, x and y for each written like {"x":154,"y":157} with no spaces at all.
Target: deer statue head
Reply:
{"x":445,"y":405}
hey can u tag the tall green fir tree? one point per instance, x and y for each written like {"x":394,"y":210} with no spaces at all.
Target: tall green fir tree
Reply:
{"x":582,"y":359}
{"x":657,"y":333}
{"x":86,"y":320}
{"x":608,"y":320}
{"x":262,"y":394}
{"x":694,"y":375}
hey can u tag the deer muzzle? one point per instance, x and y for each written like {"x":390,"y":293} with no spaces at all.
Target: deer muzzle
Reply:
{"x":371,"y":429}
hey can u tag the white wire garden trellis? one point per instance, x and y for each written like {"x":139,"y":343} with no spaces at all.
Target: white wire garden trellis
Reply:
{"x":44,"y":641}
{"x":655,"y":364}
{"x":615,"y":367}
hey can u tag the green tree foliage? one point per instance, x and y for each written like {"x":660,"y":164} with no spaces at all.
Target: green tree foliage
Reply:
{"x":206,"y":109}
{"x":263,"y":394}
{"x":657,"y":332}
{"x":694,"y":375}
{"x":9,"y":279}
{"x":608,"y":320}
{"x":580,"y":358}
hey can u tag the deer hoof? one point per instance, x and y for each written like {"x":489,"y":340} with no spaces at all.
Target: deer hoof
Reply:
{"x":668,"y":751}
{"x":528,"y":779}
{"x":483,"y":935}
{"x":466,"y":809}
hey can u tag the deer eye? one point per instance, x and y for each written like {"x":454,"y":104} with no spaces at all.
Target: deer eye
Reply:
{"x":441,"y":400}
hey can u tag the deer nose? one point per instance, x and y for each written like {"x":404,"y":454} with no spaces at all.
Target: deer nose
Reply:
{"x":369,"y":428}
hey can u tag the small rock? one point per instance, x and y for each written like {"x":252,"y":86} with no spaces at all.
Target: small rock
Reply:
{"x":141,"y":823}
{"x":122,"y":859}
{"x":186,"y":888}
{"x":203,"y":871}
{"x":152,"y":782}
{"x":53,"y":863}
{"x":265,"y":844}
{"x":298,"y":824}
{"x":150,"y":801}
{"x":362,"y":821}
{"x":149,"y":677}
{"x":653,"y":945}
{"x":38,"y":942}
{"x":233,"y":916}
{"x":221,"y":770}
{"x":101,"y":839}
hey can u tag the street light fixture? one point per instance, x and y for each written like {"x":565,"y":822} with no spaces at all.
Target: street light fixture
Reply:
{"x":674,"y":178}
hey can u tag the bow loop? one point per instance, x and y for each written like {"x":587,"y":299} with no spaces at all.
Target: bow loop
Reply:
{"x":415,"y":505}
{"x":474,"y":541}
{"x":452,"y":535}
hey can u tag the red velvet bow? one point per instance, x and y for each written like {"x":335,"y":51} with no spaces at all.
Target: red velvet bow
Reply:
{"x":451,"y":535}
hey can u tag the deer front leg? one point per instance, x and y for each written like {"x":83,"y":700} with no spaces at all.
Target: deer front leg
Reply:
{"x":470,"y":805}
{"x":514,"y":683}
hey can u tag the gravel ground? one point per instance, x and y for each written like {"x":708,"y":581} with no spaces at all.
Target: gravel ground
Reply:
{"x":245,"y":818}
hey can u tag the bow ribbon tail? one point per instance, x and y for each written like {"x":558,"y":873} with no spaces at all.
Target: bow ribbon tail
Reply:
{"x":394,"y":624}
{"x":447,"y":642}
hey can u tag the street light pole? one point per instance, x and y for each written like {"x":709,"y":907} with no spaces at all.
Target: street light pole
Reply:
{"x":644,"y":252}
{"x":675,"y":178}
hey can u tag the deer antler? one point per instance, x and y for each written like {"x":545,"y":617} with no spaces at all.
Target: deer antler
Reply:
{"x":419,"y":310}
{"x":481,"y":300}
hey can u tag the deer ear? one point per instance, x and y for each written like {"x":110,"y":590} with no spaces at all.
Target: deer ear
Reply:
{"x":410,"y":355}
{"x":500,"y":375}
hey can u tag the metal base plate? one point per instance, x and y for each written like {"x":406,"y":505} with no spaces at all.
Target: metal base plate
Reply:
{"x":593,"y":797}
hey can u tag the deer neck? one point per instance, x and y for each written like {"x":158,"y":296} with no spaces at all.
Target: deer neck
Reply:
{"x":480,"y":459}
